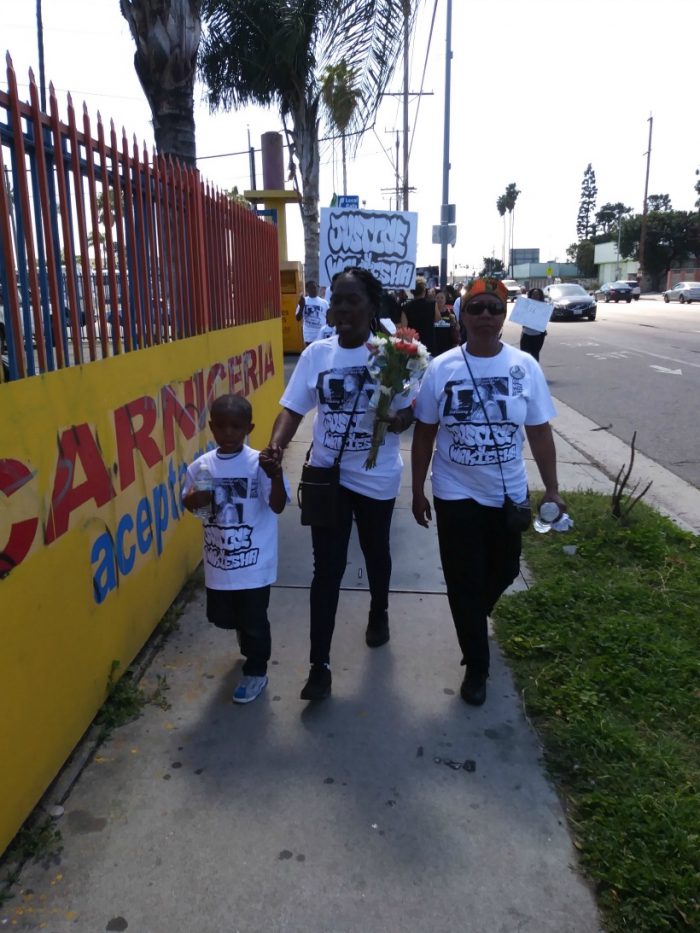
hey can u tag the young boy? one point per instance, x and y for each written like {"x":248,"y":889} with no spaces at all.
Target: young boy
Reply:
{"x":244,"y":492}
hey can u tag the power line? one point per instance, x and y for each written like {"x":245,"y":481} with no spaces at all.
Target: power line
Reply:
{"x":422,"y":80}
{"x":322,"y":139}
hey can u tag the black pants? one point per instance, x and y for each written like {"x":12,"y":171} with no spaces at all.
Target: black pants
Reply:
{"x":373,"y":517}
{"x":245,"y":611}
{"x":532,"y":344}
{"x":480,"y":559}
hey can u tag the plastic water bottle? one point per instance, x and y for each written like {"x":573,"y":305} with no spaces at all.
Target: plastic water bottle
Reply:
{"x":203,"y":482}
{"x":549,"y":518}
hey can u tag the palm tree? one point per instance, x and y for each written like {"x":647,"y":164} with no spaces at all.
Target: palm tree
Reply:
{"x":501,"y":208}
{"x":511,"y":196}
{"x":277,"y":51}
{"x":341,"y":98}
{"x":167,"y":34}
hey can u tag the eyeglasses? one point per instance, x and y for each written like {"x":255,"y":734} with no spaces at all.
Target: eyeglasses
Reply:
{"x":478,"y":307}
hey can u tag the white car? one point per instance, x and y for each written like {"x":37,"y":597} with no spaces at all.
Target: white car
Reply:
{"x":685,"y":292}
{"x":515,"y":290}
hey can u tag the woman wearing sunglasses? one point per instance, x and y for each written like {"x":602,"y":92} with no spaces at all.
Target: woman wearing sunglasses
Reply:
{"x":474,"y":401}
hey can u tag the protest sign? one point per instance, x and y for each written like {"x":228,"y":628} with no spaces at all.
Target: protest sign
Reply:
{"x":534,"y":314}
{"x":382,"y":241}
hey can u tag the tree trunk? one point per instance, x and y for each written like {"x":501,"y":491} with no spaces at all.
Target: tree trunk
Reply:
{"x":345,"y":164}
{"x":167,"y":33}
{"x":512,"y":240}
{"x":305,"y":136}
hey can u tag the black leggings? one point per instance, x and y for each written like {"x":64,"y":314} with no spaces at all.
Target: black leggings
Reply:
{"x":373,"y":518}
{"x":480,"y":559}
{"x":532,"y":344}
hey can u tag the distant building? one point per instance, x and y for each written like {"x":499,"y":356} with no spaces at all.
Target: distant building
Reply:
{"x":612,"y":267}
{"x":533,"y":274}
{"x":521,"y":257}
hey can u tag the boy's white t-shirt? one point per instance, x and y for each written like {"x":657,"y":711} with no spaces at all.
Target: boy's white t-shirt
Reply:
{"x":514,"y":392}
{"x":327,"y":378}
{"x":313,"y":317}
{"x":240,"y":538}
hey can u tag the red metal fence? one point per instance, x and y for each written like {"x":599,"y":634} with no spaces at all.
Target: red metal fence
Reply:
{"x":103,"y":251}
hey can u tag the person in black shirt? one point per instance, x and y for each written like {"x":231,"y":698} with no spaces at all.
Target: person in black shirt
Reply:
{"x":421,"y":314}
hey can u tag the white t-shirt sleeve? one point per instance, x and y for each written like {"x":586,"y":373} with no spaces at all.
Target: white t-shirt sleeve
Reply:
{"x":300,"y":394}
{"x":540,"y":407}
{"x":427,"y":408}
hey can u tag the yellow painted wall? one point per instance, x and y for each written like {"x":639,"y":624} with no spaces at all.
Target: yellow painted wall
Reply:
{"x":292,"y":285}
{"x":64,"y":615}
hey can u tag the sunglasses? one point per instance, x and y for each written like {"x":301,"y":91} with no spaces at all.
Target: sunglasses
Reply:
{"x":478,"y":307}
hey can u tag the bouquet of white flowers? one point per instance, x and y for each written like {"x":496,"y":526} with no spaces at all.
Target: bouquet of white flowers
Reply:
{"x":395,"y":364}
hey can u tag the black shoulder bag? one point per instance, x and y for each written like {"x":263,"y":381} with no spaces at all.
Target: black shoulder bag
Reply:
{"x":518,"y":514}
{"x":317,"y":493}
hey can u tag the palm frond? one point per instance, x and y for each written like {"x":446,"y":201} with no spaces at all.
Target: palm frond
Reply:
{"x":368,"y":36}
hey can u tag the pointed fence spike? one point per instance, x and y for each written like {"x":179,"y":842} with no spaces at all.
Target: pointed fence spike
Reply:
{"x":31,"y":75}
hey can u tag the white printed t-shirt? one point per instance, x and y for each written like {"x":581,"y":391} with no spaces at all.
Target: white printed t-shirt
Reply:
{"x":240,"y":537}
{"x":313,"y":317}
{"x":327,"y":378}
{"x":514,"y":393}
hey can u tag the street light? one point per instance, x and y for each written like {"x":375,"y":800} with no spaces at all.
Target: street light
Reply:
{"x":618,"y":272}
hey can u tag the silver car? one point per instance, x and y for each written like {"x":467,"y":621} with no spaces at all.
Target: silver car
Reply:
{"x":685,"y":292}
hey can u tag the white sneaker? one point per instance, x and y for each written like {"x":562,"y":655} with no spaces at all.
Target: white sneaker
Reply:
{"x":249,"y":689}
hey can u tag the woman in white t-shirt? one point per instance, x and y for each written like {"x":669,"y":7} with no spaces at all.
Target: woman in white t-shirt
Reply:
{"x":475,"y":401}
{"x":331,"y":377}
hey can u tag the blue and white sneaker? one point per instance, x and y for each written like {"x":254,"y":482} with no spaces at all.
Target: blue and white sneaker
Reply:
{"x":249,"y":689}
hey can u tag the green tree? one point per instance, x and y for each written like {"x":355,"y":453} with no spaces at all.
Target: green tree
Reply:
{"x":671,"y":238}
{"x":659,"y":202}
{"x":697,"y":188}
{"x":275,"y":52}
{"x":492,"y":266}
{"x":167,"y":33}
{"x":607,"y":218}
{"x":341,"y":98}
{"x":582,"y":254}
{"x":585,"y":229}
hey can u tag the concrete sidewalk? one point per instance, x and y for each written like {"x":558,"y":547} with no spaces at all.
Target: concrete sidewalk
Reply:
{"x":391,"y":806}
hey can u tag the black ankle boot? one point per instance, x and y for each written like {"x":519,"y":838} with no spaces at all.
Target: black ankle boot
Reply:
{"x":377,"y":633}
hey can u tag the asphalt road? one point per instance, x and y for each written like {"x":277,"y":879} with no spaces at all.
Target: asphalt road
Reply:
{"x":635,"y":368}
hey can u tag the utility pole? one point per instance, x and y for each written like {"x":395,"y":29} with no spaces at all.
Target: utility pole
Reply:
{"x":445,"y":210}
{"x":643,"y":232}
{"x":397,"y":170}
{"x":251,"y":160}
{"x":406,"y":15}
{"x":40,"y":43}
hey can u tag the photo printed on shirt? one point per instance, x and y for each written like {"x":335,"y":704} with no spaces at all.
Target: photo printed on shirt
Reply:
{"x":467,"y":414}
{"x":338,"y":394}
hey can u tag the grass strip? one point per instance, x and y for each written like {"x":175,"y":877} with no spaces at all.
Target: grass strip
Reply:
{"x":605,"y":647}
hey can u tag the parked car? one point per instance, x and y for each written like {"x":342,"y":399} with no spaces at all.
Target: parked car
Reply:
{"x":614,"y":291}
{"x":636,"y":290}
{"x":685,"y":292}
{"x":515,"y":290}
{"x":570,"y":301}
